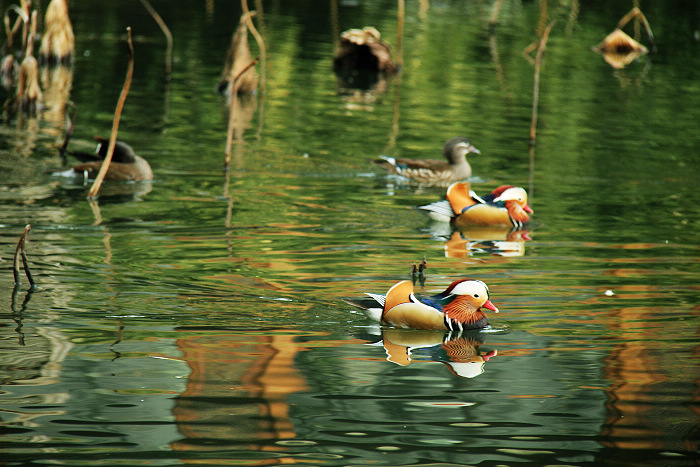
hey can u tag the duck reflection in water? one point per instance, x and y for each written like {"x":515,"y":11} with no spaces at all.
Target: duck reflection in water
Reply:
{"x":459,"y":352}
{"x":496,"y":241}
{"x":362,"y":64}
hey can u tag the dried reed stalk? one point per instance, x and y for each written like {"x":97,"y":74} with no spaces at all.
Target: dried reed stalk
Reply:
{"x":19,"y":251}
{"x":168,"y":37}
{"x":115,"y":123}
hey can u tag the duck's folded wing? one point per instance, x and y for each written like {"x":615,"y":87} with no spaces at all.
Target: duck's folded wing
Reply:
{"x":439,"y":210}
{"x":373,"y":307}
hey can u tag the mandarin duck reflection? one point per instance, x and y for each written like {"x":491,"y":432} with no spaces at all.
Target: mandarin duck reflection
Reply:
{"x":363,"y":49}
{"x":458,"y":308}
{"x":497,"y":241}
{"x":125,"y":164}
{"x":434,"y":171}
{"x":461,"y":353}
{"x":504,"y":206}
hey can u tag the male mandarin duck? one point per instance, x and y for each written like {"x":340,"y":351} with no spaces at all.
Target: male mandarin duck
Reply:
{"x":504,"y":206}
{"x":125,"y":164}
{"x":433,"y":171}
{"x":458,"y":308}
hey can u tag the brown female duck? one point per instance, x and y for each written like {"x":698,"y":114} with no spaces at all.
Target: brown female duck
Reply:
{"x":434,"y":171}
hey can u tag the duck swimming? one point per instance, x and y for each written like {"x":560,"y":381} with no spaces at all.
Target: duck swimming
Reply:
{"x":434,"y":171}
{"x":125,"y":164}
{"x":457,"y":308}
{"x":504,"y":206}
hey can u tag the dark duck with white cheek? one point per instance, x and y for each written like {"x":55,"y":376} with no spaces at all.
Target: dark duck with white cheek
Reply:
{"x":125,"y":164}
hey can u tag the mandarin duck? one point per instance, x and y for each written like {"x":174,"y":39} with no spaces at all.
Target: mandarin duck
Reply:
{"x":458,"y":308}
{"x":433,"y":171}
{"x":125,"y":164}
{"x":504,"y":206}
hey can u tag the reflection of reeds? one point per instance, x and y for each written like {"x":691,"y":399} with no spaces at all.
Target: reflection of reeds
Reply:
{"x":258,"y":39}
{"x":58,"y":42}
{"x":536,"y":85}
{"x":166,"y":32}
{"x":8,"y":66}
{"x":238,"y":59}
{"x":399,"y":33}
{"x":29,"y":95}
{"x":115,"y":124}
{"x":233,"y":110}
{"x":57,"y":82}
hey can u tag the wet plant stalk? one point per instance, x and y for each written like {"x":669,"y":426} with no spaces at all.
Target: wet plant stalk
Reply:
{"x":115,"y":124}
{"x":19,"y":251}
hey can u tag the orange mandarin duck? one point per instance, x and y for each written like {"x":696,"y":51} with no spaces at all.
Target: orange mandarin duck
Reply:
{"x":125,"y":164}
{"x":504,"y":206}
{"x":458,"y":308}
{"x":434,"y":171}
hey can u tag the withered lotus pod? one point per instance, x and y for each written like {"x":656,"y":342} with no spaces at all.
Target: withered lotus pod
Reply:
{"x":619,"y":49}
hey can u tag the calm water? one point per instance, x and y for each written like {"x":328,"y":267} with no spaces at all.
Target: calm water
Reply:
{"x":199,"y":318}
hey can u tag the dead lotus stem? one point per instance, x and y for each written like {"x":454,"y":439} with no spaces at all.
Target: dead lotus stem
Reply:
{"x":115,"y":124}
{"x":536,"y":85}
{"x":166,"y":32}
{"x":19,"y":251}
{"x":636,"y":12}
{"x":232,"y":110}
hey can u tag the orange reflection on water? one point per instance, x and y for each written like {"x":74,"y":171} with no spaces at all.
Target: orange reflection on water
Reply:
{"x":238,"y":388}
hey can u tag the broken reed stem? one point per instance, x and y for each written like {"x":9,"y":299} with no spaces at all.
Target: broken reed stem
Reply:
{"x":232,"y":111}
{"x":19,"y":251}
{"x":69,"y":116}
{"x":536,"y":85}
{"x":168,"y":37}
{"x":258,"y":39}
{"x":399,"y":33}
{"x":115,"y":123}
